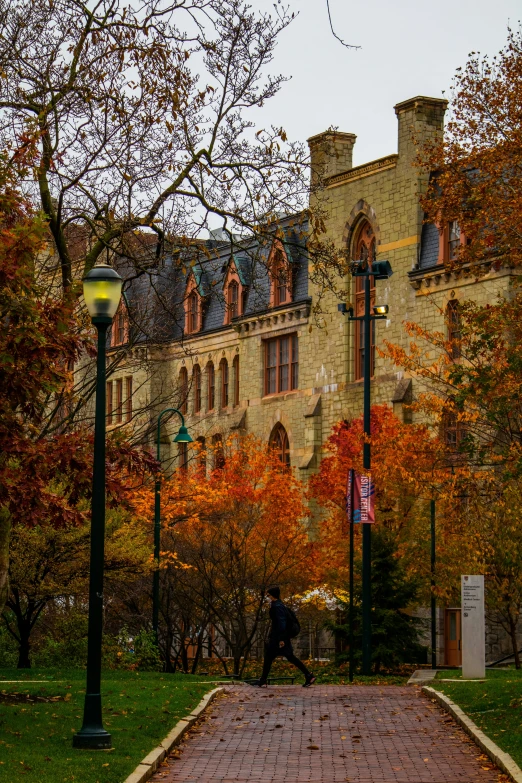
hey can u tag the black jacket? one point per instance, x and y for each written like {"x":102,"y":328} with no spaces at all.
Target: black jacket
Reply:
{"x":279,"y":629}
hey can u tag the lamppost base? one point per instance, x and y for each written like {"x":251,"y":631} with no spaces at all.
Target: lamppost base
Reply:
{"x":95,"y":738}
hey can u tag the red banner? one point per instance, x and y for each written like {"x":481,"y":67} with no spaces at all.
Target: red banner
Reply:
{"x":363,"y":496}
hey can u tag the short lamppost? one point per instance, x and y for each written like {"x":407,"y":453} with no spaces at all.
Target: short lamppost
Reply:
{"x":182,"y":437}
{"x":102,"y":293}
{"x":379,"y":270}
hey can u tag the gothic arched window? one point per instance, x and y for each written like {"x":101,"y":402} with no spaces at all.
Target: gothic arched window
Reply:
{"x":363,"y":250}
{"x":280,"y":444}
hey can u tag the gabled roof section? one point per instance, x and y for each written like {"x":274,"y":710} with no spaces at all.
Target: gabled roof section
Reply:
{"x":201,"y":280}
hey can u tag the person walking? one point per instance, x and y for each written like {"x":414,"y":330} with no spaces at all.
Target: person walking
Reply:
{"x":279,"y":643}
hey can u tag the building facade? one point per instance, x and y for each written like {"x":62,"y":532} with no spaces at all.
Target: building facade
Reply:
{"x":246,"y":354}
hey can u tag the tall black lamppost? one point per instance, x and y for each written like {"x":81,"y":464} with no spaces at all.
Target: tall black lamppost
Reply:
{"x":102,"y":293}
{"x":182,"y":437}
{"x":379,"y":270}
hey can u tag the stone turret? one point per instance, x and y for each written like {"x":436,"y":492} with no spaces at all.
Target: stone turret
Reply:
{"x":331,"y":153}
{"x":420,"y":119}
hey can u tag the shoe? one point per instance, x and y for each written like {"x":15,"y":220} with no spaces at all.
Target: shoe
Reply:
{"x":258,"y":684}
{"x":309,"y":681}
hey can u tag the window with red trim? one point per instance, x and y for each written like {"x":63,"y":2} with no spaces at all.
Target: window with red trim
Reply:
{"x":120,"y":326}
{"x":280,"y":276}
{"x":236,"y":380}
{"x":223,"y":367}
{"x":193,"y":312}
{"x":233,"y":300}
{"x":364,"y":250}
{"x":451,"y":239}
{"x":211,"y":386}
{"x":234,"y":294}
{"x":128,"y":398}
{"x":183,"y":389}
{"x":196,"y":383}
{"x":281,"y":364}
{"x":119,"y":400}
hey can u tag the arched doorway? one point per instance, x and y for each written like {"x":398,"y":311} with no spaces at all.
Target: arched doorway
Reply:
{"x":280,"y":443}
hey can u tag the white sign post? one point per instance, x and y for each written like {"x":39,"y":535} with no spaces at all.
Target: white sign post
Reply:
{"x":473,"y":628}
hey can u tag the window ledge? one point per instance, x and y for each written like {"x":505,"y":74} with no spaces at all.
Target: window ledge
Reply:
{"x":433,"y":276}
{"x":278,"y":396}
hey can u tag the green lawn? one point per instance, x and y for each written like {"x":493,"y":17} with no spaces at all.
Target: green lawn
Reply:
{"x":495,"y":705}
{"x":36,"y":735}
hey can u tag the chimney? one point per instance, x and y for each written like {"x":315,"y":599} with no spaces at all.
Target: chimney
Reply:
{"x":420,"y":119}
{"x":330,"y":153}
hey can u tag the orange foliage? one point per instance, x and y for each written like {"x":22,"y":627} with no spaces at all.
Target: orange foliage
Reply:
{"x":479,"y":159}
{"x":231,"y":533}
{"x":404,"y":463}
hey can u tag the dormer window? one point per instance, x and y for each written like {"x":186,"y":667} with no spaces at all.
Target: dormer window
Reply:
{"x":451,"y":239}
{"x":233,"y":299}
{"x":193,"y":311}
{"x":120,"y":327}
{"x":193,"y":306}
{"x":280,"y":276}
{"x":234,"y":294}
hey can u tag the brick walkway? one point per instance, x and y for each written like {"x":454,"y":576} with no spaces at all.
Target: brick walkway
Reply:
{"x":327,"y":734}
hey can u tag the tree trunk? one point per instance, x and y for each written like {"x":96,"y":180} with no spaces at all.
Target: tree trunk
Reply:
{"x":514,"y":641}
{"x":24,"y":648}
{"x":5,"y":534}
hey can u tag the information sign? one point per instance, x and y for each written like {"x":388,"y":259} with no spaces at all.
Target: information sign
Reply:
{"x":473,"y":628}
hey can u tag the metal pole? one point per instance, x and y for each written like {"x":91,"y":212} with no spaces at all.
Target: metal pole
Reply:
{"x":366,"y":527}
{"x":92,"y":735}
{"x":157,"y":539}
{"x":352,"y":499}
{"x":157,"y":527}
{"x":433,"y":600}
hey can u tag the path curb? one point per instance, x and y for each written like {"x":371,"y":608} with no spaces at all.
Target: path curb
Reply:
{"x":148,"y":766}
{"x":502,"y":759}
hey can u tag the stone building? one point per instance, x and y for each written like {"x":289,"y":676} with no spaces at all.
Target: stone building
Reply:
{"x":245,"y":354}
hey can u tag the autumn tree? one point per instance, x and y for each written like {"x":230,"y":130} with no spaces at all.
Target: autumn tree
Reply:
{"x":141,"y":118}
{"x":49,"y":563}
{"x":478,"y":160}
{"x":405,"y":467}
{"x":474,"y":400}
{"x":233,"y":532}
{"x":404,"y":462}
{"x":38,"y":338}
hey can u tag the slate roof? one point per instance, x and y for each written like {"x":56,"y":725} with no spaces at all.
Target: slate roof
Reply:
{"x":156,"y":298}
{"x":429,"y":250}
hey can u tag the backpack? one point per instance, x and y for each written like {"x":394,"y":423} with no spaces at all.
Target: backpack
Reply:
{"x":293,"y":625}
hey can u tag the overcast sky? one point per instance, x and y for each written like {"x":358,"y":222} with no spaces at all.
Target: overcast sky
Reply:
{"x":408,"y":48}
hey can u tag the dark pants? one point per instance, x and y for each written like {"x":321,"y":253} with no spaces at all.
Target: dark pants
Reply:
{"x":272,"y":651}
